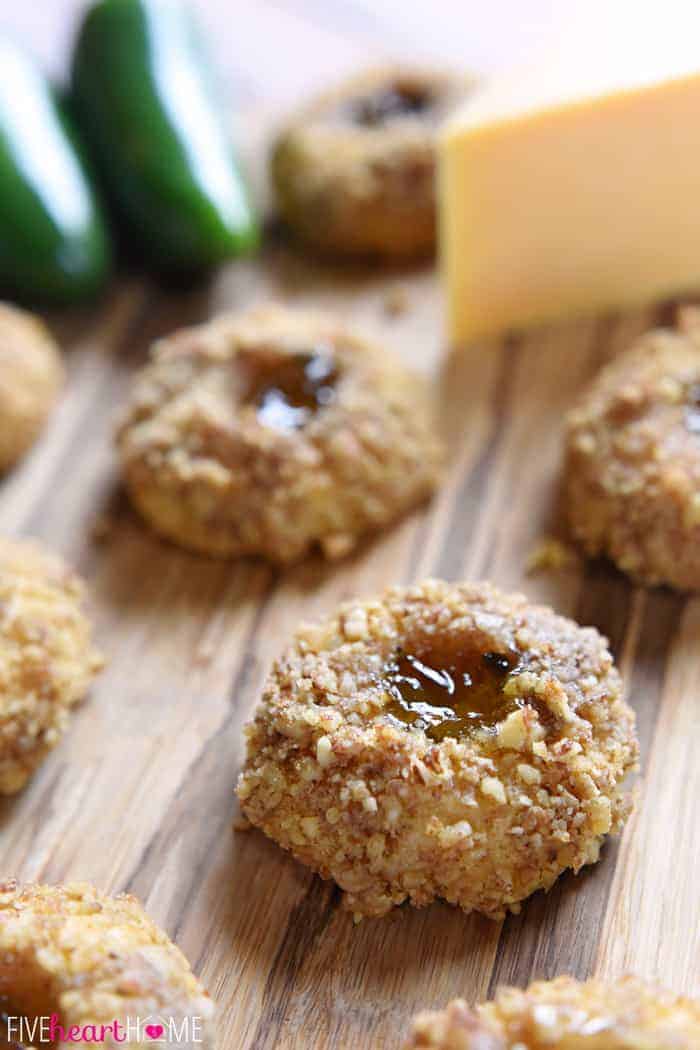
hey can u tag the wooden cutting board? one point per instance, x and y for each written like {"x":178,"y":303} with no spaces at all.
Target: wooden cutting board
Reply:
{"x":139,"y":796}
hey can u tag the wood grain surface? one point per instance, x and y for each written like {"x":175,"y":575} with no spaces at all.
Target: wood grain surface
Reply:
{"x":139,"y":795}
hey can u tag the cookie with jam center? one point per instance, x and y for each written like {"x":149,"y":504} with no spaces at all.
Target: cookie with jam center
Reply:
{"x":632,"y":469}
{"x":564,"y":1014}
{"x":354,"y":173}
{"x":444,"y":740}
{"x":273,"y":433}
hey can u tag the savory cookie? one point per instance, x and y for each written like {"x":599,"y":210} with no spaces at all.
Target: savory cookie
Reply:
{"x":47,"y":660}
{"x":627,"y":1014}
{"x":354,"y":173}
{"x":632,"y":472}
{"x":442,"y":741}
{"x":273,"y":432}
{"x":31,"y":376}
{"x":91,"y":959}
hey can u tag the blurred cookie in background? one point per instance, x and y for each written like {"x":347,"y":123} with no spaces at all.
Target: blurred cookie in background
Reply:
{"x":354,"y":172}
{"x":31,"y":377}
{"x":632,"y":472}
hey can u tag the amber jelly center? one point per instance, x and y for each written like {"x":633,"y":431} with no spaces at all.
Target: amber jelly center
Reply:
{"x":451,"y":696}
{"x":288,"y":393}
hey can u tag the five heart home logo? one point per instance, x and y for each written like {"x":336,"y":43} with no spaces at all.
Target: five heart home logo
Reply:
{"x":48,"y":1031}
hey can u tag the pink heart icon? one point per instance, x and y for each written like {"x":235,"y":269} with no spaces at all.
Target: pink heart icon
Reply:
{"x":154,"y":1031}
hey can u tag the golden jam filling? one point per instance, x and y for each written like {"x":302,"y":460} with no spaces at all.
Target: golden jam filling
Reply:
{"x":289,"y":391}
{"x":450,"y":695}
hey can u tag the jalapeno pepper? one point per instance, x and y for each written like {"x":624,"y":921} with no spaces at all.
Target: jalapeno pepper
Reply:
{"x":144,"y":96}
{"x":53,"y":241}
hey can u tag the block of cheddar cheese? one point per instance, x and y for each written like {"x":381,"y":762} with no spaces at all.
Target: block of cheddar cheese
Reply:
{"x":563,"y":195}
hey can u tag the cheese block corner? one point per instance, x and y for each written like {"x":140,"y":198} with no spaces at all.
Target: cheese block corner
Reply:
{"x":557,"y":203}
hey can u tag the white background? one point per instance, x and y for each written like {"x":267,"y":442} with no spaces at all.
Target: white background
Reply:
{"x":274,"y":46}
{"x":278,"y":48}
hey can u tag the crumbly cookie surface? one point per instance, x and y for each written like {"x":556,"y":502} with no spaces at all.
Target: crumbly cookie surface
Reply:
{"x":632,"y":471}
{"x":93,"y":959}
{"x":47,"y":659}
{"x":31,"y":376}
{"x":563,"y":1014}
{"x":275,"y":432}
{"x":354,"y":173}
{"x":394,"y":811}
